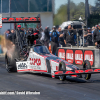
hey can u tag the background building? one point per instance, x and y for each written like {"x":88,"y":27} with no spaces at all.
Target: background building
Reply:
{"x":28,"y":8}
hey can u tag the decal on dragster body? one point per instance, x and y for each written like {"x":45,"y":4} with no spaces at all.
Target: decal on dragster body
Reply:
{"x":22,"y":66}
{"x":54,"y":66}
{"x":37,"y":62}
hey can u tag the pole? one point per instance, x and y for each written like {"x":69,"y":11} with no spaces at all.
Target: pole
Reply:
{"x":1,"y":13}
{"x":10,"y":10}
{"x":28,"y":5}
{"x":47,"y":5}
{"x":83,"y":36}
{"x":87,"y":13}
{"x":68,"y":10}
{"x":77,"y":38}
{"x":1,"y":6}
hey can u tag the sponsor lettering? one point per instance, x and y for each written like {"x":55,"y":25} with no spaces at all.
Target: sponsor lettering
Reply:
{"x":11,"y":19}
{"x":57,"y":68}
{"x":35,"y":61}
{"x":70,"y":56}
{"x":32,"y":19}
{"x":61,"y":54}
{"x":22,"y":66}
{"x":21,"y":19}
{"x":4,"y":18}
{"x":79,"y":57}
{"x":18,"y":19}
{"x":88,"y":55}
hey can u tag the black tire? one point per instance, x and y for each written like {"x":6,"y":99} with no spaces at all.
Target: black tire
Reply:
{"x":62,"y":67}
{"x":7,"y":65}
{"x":87,"y":65}
{"x":10,"y":64}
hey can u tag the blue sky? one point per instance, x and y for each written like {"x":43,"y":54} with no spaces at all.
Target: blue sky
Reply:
{"x":60,"y":2}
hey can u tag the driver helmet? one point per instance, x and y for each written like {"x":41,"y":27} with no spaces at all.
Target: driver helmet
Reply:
{"x":18,"y":26}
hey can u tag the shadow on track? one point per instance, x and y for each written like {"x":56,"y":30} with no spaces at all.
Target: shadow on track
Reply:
{"x":77,"y":81}
{"x":72,"y":81}
{"x":68,"y":80}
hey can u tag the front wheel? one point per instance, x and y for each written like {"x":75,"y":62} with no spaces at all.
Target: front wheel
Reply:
{"x":62,"y":67}
{"x":87,"y":65}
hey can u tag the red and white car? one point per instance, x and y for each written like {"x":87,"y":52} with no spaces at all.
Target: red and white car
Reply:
{"x":40,"y":60}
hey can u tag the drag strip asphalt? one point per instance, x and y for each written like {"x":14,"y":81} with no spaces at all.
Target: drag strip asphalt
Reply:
{"x":50,"y":89}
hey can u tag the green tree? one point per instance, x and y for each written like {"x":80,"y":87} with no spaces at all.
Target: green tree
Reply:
{"x":61,"y":15}
{"x":80,"y":10}
{"x":97,"y":6}
{"x":94,"y":18}
{"x":75,"y":12}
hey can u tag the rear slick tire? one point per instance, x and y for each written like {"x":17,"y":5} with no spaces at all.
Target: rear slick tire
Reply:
{"x":7,"y":66}
{"x":10,"y":65}
{"x":87,"y":65}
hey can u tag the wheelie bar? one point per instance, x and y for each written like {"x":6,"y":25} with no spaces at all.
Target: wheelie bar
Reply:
{"x":77,"y":72}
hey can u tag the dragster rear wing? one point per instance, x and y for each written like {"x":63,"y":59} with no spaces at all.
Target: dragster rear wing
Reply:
{"x":21,"y":20}
{"x":77,"y":72}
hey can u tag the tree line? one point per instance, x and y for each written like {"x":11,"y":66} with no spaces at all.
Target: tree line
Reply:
{"x":77,"y":10}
